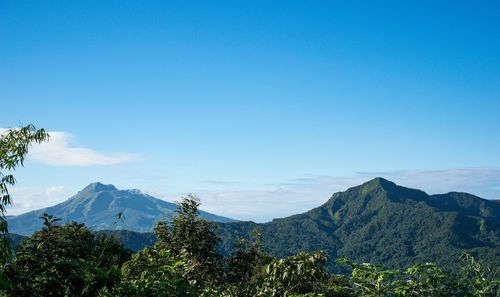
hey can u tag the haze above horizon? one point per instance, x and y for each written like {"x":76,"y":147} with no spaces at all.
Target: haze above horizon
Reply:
{"x":263,"y":109}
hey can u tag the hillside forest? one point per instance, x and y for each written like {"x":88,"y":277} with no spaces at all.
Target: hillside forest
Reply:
{"x":71,"y":260}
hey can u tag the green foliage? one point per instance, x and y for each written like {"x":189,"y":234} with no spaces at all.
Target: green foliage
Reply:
{"x":194,"y":239}
{"x":246,"y":261}
{"x":300,"y":274}
{"x":65,"y":260}
{"x":423,"y":280}
{"x":70,"y":260}
{"x":381,"y":222}
{"x":243,"y":270}
{"x":14,"y":145}
{"x":154,"y":272}
{"x":369,"y":279}
{"x":478,"y":280}
{"x":183,"y":262}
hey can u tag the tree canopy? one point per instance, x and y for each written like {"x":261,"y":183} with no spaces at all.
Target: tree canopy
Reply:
{"x":14,"y":145}
{"x":71,"y":260}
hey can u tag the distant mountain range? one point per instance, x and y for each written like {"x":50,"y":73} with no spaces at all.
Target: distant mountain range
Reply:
{"x":381,"y":222}
{"x":99,"y":205}
{"x":378,"y":222}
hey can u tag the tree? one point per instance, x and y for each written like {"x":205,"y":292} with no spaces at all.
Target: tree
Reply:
{"x":300,"y":274}
{"x":370,"y":280}
{"x":154,"y":272}
{"x":14,"y":145}
{"x":244,"y":270}
{"x":246,"y":261}
{"x":67,"y":260}
{"x":183,"y":261}
{"x":424,"y":280}
{"x":194,"y":239}
{"x":477,"y":279}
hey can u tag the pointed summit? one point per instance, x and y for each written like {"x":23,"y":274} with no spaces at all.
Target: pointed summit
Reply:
{"x":381,"y":222}
{"x":382,"y":182}
{"x":379,"y":182}
{"x":99,"y":187}
{"x":98,"y":205}
{"x":379,"y":191}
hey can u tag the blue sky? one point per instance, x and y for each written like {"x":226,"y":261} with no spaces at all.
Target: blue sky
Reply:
{"x":263,"y":108}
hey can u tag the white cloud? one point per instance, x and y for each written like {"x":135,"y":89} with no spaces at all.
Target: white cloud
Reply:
{"x":54,"y":190}
{"x":265,"y":202}
{"x":59,"y":151}
{"x":26,"y":199}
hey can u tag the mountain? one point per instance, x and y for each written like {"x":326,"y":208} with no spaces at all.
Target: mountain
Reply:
{"x":377,"y":222}
{"x":381,"y":222}
{"x":99,"y":205}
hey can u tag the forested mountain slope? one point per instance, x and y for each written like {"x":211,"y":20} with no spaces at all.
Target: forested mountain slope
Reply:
{"x":381,"y":222}
{"x":376,"y":222}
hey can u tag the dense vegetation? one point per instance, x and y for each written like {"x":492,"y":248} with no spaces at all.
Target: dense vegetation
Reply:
{"x":377,"y":222}
{"x":70,"y":260}
{"x":14,"y":145}
{"x":381,"y":222}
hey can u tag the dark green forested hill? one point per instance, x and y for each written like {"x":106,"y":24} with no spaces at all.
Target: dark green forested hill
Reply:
{"x":381,"y":222}
{"x":377,"y":222}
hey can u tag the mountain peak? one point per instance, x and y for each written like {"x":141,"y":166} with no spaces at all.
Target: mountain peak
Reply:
{"x":379,"y":182}
{"x":98,"y":205}
{"x":98,"y":187}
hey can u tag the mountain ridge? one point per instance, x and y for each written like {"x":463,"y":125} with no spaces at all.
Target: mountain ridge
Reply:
{"x":377,"y":222}
{"x":104,"y":207}
{"x":381,"y":222}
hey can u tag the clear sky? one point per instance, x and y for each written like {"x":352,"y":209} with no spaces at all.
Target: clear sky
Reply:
{"x":263,"y":108}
